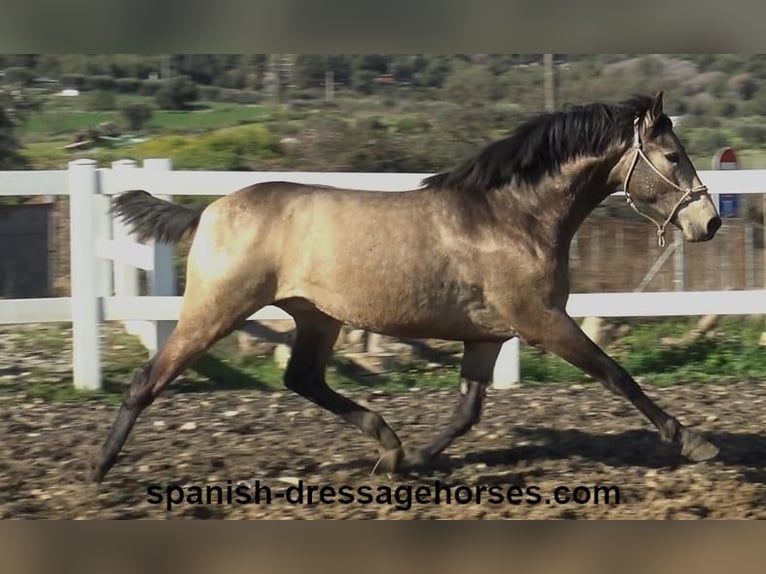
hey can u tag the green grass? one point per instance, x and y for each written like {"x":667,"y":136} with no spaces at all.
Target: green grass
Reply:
{"x":731,"y":355}
{"x":215,"y":117}
{"x":224,"y":368}
{"x":47,"y":124}
{"x":52,"y":155}
{"x":47,"y":135}
{"x":63,"y":118}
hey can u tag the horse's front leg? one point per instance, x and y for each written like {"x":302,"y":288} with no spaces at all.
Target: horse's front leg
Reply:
{"x":475,"y":374}
{"x":558,"y":333}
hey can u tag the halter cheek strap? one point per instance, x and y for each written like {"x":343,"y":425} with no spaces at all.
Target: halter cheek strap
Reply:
{"x":639,"y":153}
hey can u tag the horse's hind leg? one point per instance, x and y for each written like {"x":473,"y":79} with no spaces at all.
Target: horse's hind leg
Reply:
{"x":475,"y":374}
{"x":182,"y":347}
{"x":205,"y":318}
{"x":305,"y":374}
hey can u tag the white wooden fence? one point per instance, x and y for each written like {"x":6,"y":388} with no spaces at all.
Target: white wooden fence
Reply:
{"x":105,"y":260}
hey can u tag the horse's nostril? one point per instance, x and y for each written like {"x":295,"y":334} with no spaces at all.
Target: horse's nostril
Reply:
{"x":713,"y":225}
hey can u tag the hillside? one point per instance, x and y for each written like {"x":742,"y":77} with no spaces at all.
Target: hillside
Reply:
{"x":383,"y":113}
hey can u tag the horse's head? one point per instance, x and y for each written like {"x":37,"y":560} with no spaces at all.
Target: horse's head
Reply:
{"x":657,"y":173}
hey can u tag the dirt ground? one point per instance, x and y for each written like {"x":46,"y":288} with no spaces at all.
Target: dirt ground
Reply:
{"x":541,"y":436}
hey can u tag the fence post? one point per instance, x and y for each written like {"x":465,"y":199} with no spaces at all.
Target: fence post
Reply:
{"x":507,"y":371}
{"x":84,"y":274}
{"x":762,"y":340}
{"x":749,"y":256}
{"x":162,"y":279}
{"x":103,"y":229}
{"x":125,"y":275}
{"x":679,"y":261}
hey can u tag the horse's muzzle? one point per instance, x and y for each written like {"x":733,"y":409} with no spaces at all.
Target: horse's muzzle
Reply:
{"x":698,"y":234}
{"x":712,"y":226}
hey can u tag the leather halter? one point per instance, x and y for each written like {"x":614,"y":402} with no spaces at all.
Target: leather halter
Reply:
{"x":639,"y":152}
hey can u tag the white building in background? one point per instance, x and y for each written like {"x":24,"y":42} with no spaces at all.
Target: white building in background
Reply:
{"x":68,"y":92}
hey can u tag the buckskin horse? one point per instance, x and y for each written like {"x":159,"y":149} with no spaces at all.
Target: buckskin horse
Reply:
{"x":478,"y":254}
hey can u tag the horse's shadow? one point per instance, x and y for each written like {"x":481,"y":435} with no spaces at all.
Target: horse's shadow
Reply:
{"x":635,"y":448}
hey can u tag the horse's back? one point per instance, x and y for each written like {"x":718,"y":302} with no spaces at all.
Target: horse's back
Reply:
{"x":390,"y":262}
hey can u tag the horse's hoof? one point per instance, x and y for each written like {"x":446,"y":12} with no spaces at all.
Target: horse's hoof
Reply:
{"x":414,"y":459}
{"x":95,"y":469}
{"x":419,"y":461}
{"x":96,"y":475}
{"x":389,"y":461}
{"x":696,"y":448}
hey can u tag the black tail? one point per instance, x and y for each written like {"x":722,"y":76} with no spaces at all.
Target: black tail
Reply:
{"x":153,"y":218}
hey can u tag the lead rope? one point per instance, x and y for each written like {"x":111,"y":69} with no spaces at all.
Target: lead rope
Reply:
{"x":639,"y":152}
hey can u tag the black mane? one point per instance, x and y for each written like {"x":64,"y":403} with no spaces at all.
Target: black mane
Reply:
{"x":543,"y":143}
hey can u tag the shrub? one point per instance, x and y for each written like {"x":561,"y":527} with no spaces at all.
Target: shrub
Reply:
{"x":211,"y":93}
{"x":136,"y":115}
{"x":237,"y":148}
{"x":238,"y":96}
{"x":99,"y":83}
{"x":76,"y":81}
{"x":727,"y":108}
{"x":151,"y":87}
{"x":18,"y":75}
{"x":177,"y":94}
{"x":100,"y":101}
{"x":705,"y":141}
{"x":752,"y":134}
{"x":127,"y":85}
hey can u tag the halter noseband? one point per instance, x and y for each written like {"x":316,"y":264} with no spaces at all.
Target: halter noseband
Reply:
{"x":686,"y":192}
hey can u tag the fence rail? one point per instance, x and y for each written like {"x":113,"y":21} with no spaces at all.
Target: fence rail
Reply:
{"x":665,"y":304}
{"x":105,"y":259}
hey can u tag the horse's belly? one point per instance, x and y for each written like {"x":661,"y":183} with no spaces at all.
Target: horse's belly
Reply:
{"x":407,"y":314}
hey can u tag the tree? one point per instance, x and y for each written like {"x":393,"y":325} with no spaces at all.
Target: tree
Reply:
{"x":405,"y":67}
{"x":435,"y":72}
{"x":19,"y":76}
{"x":136,"y":115}
{"x":309,"y":71}
{"x":377,"y":63}
{"x":470,"y":86}
{"x":743,"y":85}
{"x":177,"y":94}
{"x":10,"y":156}
{"x":366,"y":69}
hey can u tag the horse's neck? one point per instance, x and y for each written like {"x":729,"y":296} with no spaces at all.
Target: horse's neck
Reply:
{"x":564,"y":200}
{"x":587,"y":195}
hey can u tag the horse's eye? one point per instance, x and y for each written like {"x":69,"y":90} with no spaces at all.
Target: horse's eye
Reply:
{"x":672,"y":157}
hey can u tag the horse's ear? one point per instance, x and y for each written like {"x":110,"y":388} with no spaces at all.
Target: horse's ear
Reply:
{"x":653,"y":113}
{"x":657,"y":106}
